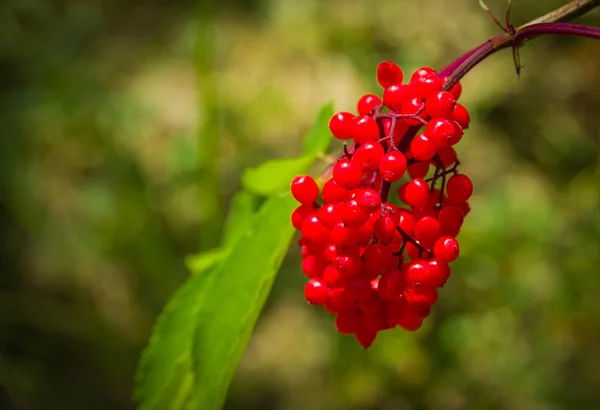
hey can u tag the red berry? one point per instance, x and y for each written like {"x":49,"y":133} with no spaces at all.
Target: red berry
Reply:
{"x":304,"y":189}
{"x":395,"y":95}
{"x":347,"y":322}
{"x":313,"y":230}
{"x":459,"y":188}
{"x":392,"y":166}
{"x":376,"y":257}
{"x":314,"y":266}
{"x":410,"y":323}
{"x":342,"y":235}
{"x":411,"y":107}
{"x":341,"y":300}
{"x":388,"y":74}
{"x":368,"y":155}
{"x":352,"y":215}
{"x":441,"y":132}
{"x":418,"y":169}
{"x":384,"y":229}
{"x":364,"y":128}
{"x":301,"y":213}
{"x":440,"y":272}
{"x":417,"y":193}
{"x":347,"y":174}
{"x":316,"y":292}
{"x":447,"y":156}
{"x":422,"y":148}
{"x":340,"y":125}
{"x":406,"y":221}
{"x":417,"y":272}
{"x":461,"y":116}
{"x":446,"y":249}
{"x":365,"y":337}
{"x":440,"y":104}
{"x":369,"y":305}
{"x":394,"y":309}
{"x":426,"y":85}
{"x":330,"y":214}
{"x":451,"y":219}
{"x":421,"y":72}
{"x":332,"y":276}
{"x":427,"y":230}
{"x":418,"y":305}
{"x":368,"y":201}
{"x":456,"y":91}
{"x":367,"y":103}
{"x":333,"y":193}
{"x":391,"y":284}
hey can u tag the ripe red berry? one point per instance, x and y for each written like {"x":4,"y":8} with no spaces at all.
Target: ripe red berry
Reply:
{"x":347,"y":174}
{"x":316,"y":292}
{"x":451,"y":219}
{"x":352,"y":215}
{"x":421,"y":72}
{"x":417,"y":193}
{"x":364,"y":128}
{"x":426,"y":85}
{"x":459,"y":188}
{"x":461,"y":116}
{"x":301,"y":213}
{"x":446,"y":249}
{"x":313,"y":230}
{"x":441,"y":132}
{"x":368,"y":155}
{"x":427,"y":230}
{"x":333,"y":193}
{"x":447,"y":156}
{"x":304,"y":189}
{"x":377,"y":257}
{"x":391,"y":284}
{"x":367,"y":103}
{"x":417,"y":272}
{"x":395,"y":95}
{"x":456,"y":91}
{"x":384,"y":229}
{"x":314,"y":266}
{"x":388,"y":74}
{"x":347,"y":322}
{"x":422,"y":148}
{"x":411,"y":107}
{"x":439,"y":273}
{"x":410,"y":322}
{"x":418,"y":169}
{"x":440,"y":104}
{"x":365,"y":337}
{"x":392,"y":166}
{"x":330,"y":214}
{"x":368,"y":200}
{"x":340,"y":125}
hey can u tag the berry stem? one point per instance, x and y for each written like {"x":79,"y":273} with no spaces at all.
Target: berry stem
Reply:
{"x":547,"y":24}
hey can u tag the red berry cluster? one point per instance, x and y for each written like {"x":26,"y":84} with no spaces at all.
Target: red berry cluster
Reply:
{"x":377,"y":263}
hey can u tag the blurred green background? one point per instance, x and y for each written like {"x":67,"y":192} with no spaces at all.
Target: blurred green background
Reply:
{"x":126,"y":125}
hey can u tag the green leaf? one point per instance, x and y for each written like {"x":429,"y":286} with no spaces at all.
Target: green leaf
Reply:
{"x":319,"y":137}
{"x":239,"y":218}
{"x":165,"y":369}
{"x":199,"y":338}
{"x":205,"y":260}
{"x":232,"y":302}
{"x":275,"y":176}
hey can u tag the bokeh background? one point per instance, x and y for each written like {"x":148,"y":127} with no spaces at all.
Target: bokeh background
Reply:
{"x":125,"y":127}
